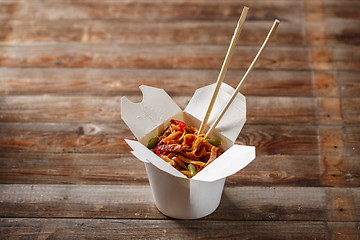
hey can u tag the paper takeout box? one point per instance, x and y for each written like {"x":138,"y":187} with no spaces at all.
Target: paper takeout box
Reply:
{"x":176,"y":195}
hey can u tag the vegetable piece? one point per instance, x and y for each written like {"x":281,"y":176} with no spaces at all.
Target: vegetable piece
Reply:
{"x":179,"y":123}
{"x":153,"y":142}
{"x":191,"y":168}
{"x":214,"y":141}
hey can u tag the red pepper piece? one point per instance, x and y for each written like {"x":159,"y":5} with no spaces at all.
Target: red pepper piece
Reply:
{"x":179,"y":123}
{"x":157,"y":152}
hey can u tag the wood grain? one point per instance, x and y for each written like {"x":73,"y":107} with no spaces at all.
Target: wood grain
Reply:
{"x":109,"y":138}
{"x":115,"y":229}
{"x":147,"y":56}
{"x":352,"y":140}
{"x":73,"y":81}
{"x":330,"y":111}
{"x":349,"y":83}
{"x":281,"y":139}
{"x":129,"y":201}
{"x":104,"y":109}
{"x":335,"y":32}
{"x":72,"y":168}
{"x":163,"y":10}
{"x":123,"y":168}
{"x":347,"y":58}
{"x":351,"y":110}
{"x":174,"y":31}
{"x":332,"y":32}
{"x":353,"y":170}
{"x":64,"y":138}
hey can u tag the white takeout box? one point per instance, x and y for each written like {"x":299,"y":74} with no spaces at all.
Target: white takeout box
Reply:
{"x":176,"y":195}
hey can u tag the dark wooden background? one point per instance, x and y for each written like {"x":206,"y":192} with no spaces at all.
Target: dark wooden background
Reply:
{"x":66,"y":172}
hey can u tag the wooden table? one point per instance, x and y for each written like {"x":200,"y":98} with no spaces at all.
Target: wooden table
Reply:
{"x":66,"y":172}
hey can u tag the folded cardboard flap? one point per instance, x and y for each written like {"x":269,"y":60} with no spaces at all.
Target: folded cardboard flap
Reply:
{"x":145,"y":155}
{"x":230,"y":162}
{"x":232,"y":121}
{"x":156,"y":107}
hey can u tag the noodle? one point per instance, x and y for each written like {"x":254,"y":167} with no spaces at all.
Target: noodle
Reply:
{"x":182,"y":148}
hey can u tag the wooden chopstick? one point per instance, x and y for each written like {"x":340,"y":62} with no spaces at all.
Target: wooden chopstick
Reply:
{"x":270,"y":34}
{"x":224,"y":67}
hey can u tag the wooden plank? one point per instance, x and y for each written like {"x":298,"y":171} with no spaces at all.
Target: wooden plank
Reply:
{"x":262,"y":110}
{"x":337,"y":57}
{"x":332,"y":161}
{"x":336,"y":31}
{"x":349,"y":83}
{"x":342,"y":31}
{"x":337,"y":206}
{"x":71,"y":168}
{"x":103,"y":109}
{"x":148,"y":56}
{"x":344,"y":230}
{"x":79,"y":201}
{"x":322,"y":58}
{"x":8,"y":9}
{"x":335,"y":173}
{"x":91,"y":138}
{"x":293,"y":140}
{"x":351,"y":110}
{"x":280,"y":170}
{"x":330,"y":9}
{"x":330,"y":111}
{"x":37,"y":81}
{"x":347,"y":9}
{"x":131,"y":201}
{"x":109,"y":138}
{"x":175,"y":31}
{"x":347,"y":58}
{"x":169,"y":229}
{"x":81,"y":168}
{"x":331,"y":23}
{"x":325,"y":84}
{"x":161,"y":10}
{"x":352,"y":171}
{"x":332,"y":140}
{"x":352,"y":140}
{"x":343,"y":203}
{"x":44,"y":108}
{"x":332,"y":32}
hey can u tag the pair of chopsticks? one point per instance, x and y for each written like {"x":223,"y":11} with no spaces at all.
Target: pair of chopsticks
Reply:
{"x":224,"y":69}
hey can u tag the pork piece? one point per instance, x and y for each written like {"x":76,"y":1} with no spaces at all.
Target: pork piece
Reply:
{"x":172,"y":148}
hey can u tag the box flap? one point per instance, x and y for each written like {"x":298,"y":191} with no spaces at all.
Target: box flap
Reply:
{"x":146,"y":155}
{"x":233,"y":120}
{"x":231,"y":161}
{"x":156,"y":107}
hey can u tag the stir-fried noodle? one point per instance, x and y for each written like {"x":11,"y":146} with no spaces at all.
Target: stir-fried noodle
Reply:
{"x":182,"y":147}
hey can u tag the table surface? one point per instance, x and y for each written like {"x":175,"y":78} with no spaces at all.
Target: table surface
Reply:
{"x":66,"y":172}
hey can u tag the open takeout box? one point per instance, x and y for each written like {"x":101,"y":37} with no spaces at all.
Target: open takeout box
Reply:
{"x":176,"y":195}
